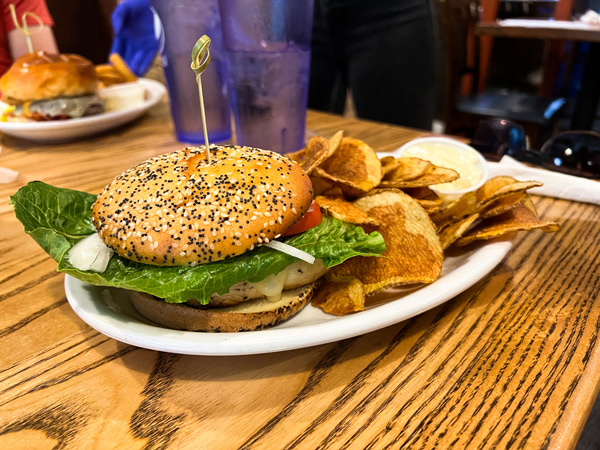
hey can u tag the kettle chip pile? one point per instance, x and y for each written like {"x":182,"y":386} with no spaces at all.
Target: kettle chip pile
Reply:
{"x":392,"y":196}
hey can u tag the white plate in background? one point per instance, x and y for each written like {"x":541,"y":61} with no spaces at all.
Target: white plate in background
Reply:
{"x":109,"y":311}
{"x":67,"y":130}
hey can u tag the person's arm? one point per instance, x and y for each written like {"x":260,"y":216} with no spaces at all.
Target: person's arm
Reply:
{"x":41,"y":40}
{"x":39,"y":23}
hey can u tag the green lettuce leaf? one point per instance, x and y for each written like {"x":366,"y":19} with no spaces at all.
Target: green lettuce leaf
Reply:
{"x":59,"y":218}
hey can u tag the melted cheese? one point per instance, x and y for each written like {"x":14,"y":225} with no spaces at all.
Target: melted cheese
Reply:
{"x":272,"y":286}
{"x":5,"y":114}
{"x":295,"y":275}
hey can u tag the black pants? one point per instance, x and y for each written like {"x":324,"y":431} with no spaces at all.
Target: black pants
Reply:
{"x":383,"y":50}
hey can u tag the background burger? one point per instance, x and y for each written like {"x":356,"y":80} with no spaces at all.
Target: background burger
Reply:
{"x":42,"y":86}
{"x":233,"y":245}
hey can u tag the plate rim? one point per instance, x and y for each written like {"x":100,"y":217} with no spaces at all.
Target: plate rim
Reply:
{"x":157,"y":90}
{"x":480,"y":262}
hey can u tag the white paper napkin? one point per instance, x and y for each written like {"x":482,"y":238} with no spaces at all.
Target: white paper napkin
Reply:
{"x":7,"y":175}
{"x":556,"y":185}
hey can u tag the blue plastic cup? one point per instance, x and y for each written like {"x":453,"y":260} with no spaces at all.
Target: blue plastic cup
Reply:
{"x":267,"y":43}
{"x":183,"y":22}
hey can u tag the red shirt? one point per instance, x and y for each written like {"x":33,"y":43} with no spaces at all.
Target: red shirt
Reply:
{"x":6,"y":24}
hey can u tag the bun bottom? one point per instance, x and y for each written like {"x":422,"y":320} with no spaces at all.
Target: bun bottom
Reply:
{"x":247,"y":316}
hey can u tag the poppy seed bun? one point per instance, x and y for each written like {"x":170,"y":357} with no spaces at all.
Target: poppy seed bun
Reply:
{"x":43,"y":76}
{"x":248,"y":316}
{"x":175,"y":209}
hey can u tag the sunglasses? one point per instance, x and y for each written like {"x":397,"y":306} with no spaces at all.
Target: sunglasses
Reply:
{"x":571,"y":152}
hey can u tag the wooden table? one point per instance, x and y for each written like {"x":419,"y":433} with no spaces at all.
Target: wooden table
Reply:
{"x":513,"y":362}
{"x":588,"y":97}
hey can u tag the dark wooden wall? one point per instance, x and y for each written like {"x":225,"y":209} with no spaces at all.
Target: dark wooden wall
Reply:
{"x":83,"y":27}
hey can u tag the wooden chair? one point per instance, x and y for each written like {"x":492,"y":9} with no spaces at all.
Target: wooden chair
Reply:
{"x":464,"y":106}
{"x":555,"y":51}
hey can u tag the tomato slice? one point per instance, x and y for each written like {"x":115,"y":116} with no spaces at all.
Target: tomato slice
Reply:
{"x":311,"y":219}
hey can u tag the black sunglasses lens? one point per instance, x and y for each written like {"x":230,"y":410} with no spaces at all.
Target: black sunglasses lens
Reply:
{"x":515,"y":141}
{"x":499,"y":137}
{"x":573,"y":153}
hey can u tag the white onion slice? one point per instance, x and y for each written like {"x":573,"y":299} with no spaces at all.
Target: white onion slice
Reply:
{"x":292,"y":251}
{"x":90,"y":253}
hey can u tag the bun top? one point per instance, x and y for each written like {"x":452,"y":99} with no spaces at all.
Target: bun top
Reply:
{"x":175,"y":209}
{"x":42,"y":76}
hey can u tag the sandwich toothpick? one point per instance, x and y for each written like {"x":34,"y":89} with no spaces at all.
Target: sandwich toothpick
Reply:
{"x":25,"y":28}
{"x":200,"y":60}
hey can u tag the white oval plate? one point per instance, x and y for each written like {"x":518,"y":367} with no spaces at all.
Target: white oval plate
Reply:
{"x":67,"y":130}
{"x":110,"y":312}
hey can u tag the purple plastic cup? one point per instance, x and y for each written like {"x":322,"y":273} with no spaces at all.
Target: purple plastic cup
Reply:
{"x":183,"y":22}
{"x":267,"y":44}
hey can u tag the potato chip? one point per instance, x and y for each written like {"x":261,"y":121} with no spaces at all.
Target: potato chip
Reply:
{"x":388,"y":164}
{"x":414,"y":253}
{"x":343,"y":210}
{"x":425,"y":197}
{"x":315,"y":152}
{"x":335,"y":141}
{"x":502,"y":204}
{"x":354,"y":166}
{"x":456,"y":230}
{"x":522,"y":217}
{"x":498,"y":187}
{"x":488,"y":195}
{"x":297,"y":156}
{"x":321,"y":186}
{"x":335,"y":192}
{"x":340,"y":296}
{"x":406,"y":169}
{"x":301,"y":155}
{"x":455,"y":210}
{"x":428,"y":207}
{"x":387,"y":160}
{"x":433,"y":175}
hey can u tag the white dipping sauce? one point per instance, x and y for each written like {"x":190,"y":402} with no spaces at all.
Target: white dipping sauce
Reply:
{"x":123,"y":96}
{"x":464,"y":160}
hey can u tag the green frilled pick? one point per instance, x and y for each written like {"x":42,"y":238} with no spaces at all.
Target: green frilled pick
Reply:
{"x":200,"y":60}
{"x":199,"y":51}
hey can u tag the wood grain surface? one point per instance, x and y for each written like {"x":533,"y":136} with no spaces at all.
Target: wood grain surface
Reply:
{"x":513,"y":362}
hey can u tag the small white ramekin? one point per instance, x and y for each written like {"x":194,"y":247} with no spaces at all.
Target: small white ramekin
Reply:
{"x":450,"y":195}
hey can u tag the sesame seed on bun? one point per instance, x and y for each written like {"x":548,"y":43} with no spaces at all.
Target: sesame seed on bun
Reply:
{"x":176,"y":209}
